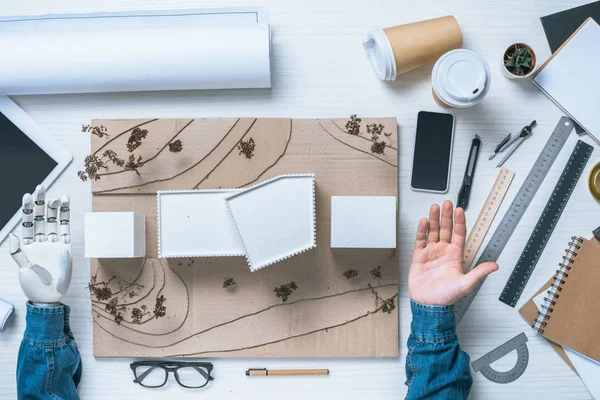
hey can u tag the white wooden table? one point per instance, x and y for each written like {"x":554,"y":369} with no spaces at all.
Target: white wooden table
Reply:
{"x":319,"y":70}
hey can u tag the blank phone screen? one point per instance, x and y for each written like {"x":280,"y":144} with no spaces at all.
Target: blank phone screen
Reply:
{"x":433,"y":149}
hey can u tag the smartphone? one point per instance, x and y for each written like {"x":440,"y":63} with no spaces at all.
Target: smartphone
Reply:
{"x":432,"y":154}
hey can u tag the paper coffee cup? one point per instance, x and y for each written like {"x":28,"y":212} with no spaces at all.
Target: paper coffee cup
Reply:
{"x":460,"y":79}
{"x":399,"y":49}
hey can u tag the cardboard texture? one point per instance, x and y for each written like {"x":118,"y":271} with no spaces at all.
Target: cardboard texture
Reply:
{"x":423,"y":42}
{"x":574,"y":321}
{"x":327,"y":316}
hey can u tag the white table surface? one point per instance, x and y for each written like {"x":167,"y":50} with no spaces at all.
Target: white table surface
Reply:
{"x":319,"y":70}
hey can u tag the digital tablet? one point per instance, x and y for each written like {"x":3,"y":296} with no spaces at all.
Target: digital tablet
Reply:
{"x":28,"y":157}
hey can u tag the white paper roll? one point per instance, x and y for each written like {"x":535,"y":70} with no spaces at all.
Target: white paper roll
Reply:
{"x":116,"y":52}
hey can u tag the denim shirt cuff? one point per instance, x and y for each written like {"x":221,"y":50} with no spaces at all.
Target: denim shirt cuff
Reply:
{"x":47,"y":325}
{"x":433,"y":324}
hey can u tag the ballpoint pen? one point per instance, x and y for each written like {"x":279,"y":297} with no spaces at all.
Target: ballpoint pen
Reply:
{"x":465,"y":189}
{"x":515,"y":143}
{"x":290,"y":372}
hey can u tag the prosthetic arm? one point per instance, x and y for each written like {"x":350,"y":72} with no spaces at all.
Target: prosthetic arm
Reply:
{"x":43,"y":253}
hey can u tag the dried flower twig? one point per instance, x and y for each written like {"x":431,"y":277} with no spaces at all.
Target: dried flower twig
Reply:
{"x":99,"y":131}
{"x":378,"y":147}
{"x":160,"y":309}
{"x":228,"y":282}
{"x":247,"y":147}
{"x":351,"y":273}
{"x":135,"y":138}
{"x":376,"y":272}
{"x":387,"y":305}
{"x":176,"y":146}
{"x":353,"y":125}
{"x":286,"y":290}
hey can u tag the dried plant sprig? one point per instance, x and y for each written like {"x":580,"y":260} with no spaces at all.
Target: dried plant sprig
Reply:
{"x":246,"y":147}
{"x":378,"y":147}
{"x":132,"y":164}
{"x":160,"y":310}
{"x":100,"y":289}
{"x":376,"y":272}
{"x":228,"y":282}
{"x":353,"y":125}
{"x":350,"y":273}
{"x":176,"y":146}
{"x":135,"y":138}
{"x":387,"y":305}
{"x":99,"y":131}
{"x":285,"y":290}
{"x":375,"y":130}
{"x":137,"y":314}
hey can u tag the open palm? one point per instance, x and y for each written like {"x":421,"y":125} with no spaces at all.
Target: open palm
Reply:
{"x":436,"y":274}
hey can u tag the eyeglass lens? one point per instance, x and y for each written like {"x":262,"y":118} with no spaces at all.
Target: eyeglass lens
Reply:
{"x":151,"y":376}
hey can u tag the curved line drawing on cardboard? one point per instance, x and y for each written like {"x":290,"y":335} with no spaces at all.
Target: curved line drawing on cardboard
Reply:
{"x":357,"y":143}
{"x":176,"y":298}
{"x":362,"y":135}
{"x":198,"y":334}
{"x":151,"y":158}
{"x":274,"y":132}
{"x":118,"y":135}
{"x":276,"y":161}
{"x":192,"y":148}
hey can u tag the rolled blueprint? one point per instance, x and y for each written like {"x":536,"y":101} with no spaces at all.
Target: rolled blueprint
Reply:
{"x":135,"y":51}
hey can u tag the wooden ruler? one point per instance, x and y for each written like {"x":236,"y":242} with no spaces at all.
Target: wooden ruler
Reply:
{"x":486,"y":216}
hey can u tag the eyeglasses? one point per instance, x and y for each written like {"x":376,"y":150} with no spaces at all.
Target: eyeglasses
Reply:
{"x":154,"y":374}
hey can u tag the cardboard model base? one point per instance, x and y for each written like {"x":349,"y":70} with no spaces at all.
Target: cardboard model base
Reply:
{"x":327,"y":316}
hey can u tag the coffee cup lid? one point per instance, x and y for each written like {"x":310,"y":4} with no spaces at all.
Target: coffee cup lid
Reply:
{"x":461,"y":77}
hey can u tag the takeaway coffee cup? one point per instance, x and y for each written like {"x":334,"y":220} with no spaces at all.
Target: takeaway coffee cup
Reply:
{"x":460,"y":79}
{"x":399,"y":49}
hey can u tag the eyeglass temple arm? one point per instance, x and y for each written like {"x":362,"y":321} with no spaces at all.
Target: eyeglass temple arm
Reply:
{"x":204,"y":374}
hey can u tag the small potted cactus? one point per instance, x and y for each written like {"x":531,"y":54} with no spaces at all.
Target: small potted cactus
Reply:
{"x":519,"y":61}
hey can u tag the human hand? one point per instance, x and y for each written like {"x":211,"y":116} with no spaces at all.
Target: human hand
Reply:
{"x":44,"y":260}
{"x":436,"y":274}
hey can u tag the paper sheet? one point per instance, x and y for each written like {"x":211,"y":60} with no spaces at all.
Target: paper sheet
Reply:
{"x":588,"y":369}
{"x":116,"y":52}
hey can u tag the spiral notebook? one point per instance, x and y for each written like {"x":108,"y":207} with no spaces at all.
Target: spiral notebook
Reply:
{"x":570,"y":313}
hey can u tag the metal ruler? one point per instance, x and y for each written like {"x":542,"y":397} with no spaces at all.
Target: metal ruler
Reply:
{"x":516,"y":210}
{"x":546,"y":223}
{"x":486,"y":216}
{"x":483,"y":365}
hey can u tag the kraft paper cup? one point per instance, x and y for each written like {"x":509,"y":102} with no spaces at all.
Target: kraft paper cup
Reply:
{"x":460,"y":79}
{"x":399,"y":49}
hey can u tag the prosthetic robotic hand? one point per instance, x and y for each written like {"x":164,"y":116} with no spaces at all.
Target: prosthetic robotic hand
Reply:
{"x":44,"y":251}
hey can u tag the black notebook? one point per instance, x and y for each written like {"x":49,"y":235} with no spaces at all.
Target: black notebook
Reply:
{"x":560,"y":26}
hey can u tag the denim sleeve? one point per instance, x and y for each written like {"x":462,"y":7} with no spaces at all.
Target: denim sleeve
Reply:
{"x":436,"y":367}
{"x":49,"y":364}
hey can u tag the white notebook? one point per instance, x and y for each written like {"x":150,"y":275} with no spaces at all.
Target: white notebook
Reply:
{"x":571,"y":77}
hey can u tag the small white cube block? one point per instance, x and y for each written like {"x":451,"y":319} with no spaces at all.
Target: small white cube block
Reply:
{"x":115,"y":235}
{"x":367,"y":222}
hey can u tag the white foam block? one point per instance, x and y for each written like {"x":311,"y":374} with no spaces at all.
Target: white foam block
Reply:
{"x":363,"y":222}
{"x":195,"y":223}
{"x":275,"y":219}
{"x":115,"y":235}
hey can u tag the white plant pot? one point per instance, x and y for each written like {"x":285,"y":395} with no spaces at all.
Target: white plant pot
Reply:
{"x":507,"y":73}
